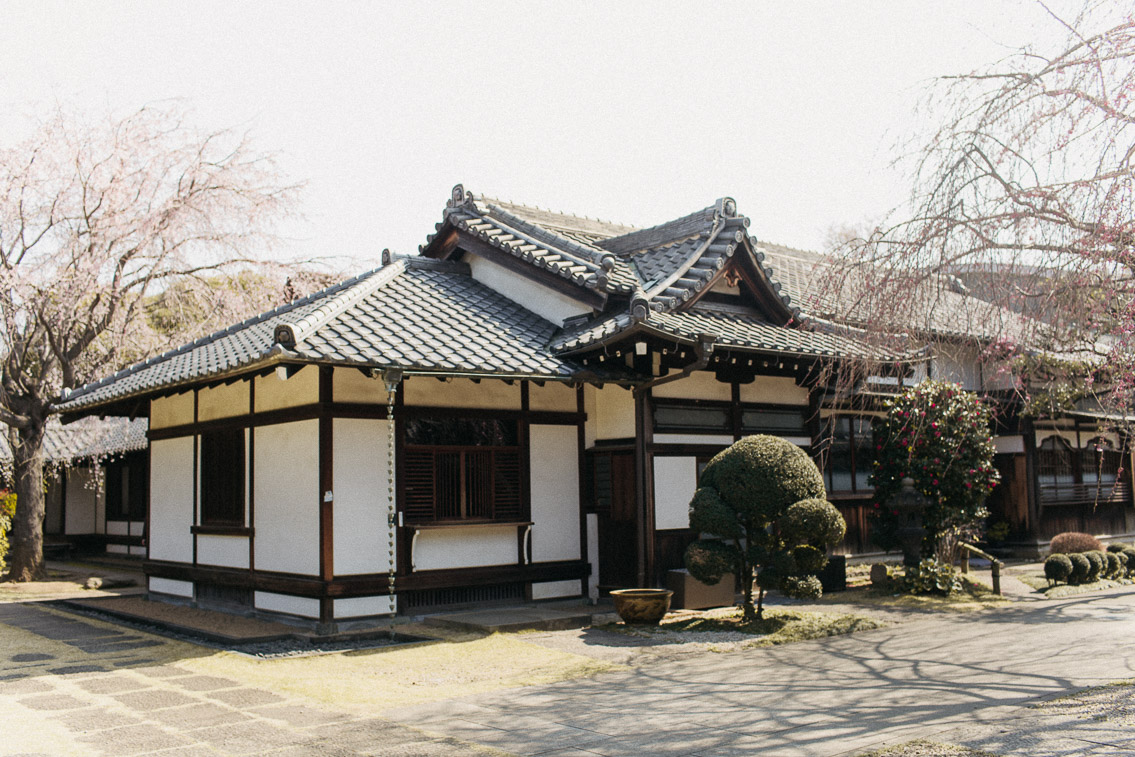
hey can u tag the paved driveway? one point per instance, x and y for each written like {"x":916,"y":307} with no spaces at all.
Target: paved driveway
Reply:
{"x":960,"y":677}
{"x":73,"y":686}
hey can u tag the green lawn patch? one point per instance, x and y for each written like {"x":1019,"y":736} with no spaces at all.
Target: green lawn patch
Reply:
{"x":975,"y":595}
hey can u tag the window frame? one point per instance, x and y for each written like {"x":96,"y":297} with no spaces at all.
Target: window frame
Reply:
{"x":498,"y":470}
{"x":853,"y":453}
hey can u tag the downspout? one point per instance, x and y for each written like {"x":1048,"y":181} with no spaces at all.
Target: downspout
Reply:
{"x":703,"y":350}
{"x":391,"y":378}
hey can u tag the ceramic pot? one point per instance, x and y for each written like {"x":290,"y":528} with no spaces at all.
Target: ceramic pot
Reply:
{"x":642,"y":606}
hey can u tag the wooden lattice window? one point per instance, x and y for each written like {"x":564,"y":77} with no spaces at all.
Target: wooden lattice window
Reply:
{"x":850,"y":455}
{"x":1100,"y":462}
{"x":1056,"y":464}
{"x":462,"y":469}
{"x":222,"y":477}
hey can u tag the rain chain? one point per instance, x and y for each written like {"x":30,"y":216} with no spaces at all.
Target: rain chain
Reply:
{"x":392,"y":515}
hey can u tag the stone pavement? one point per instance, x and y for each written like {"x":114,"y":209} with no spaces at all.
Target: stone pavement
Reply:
{"x":967,"y":676}
{"x":75,"y":686}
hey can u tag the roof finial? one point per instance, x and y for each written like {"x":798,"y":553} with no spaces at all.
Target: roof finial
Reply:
{"x":459,"y":196}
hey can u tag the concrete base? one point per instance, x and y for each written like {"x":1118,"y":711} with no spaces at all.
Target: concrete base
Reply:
{"x":692,"y":594}
{"x":523,"y":618}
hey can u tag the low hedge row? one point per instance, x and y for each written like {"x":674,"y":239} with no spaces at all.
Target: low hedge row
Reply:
{"x":1085,"y":567}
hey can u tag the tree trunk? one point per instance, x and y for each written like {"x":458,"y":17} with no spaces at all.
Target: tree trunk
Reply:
{"x":25,"y":560}
{"x":748,"y":614}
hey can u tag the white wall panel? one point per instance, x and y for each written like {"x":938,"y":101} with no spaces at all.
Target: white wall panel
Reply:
{"x":544,"y":301}
{"x":171,"y":411}
{"x":82,"y":502}
{"x":465,"y":547}
{"x":555,"y":493}
{"x":171,"y":499}
{"x":699,"y":385}
{"x":357,"y":607}
{"x":226,"y":551}
{"x":223,"y":401}
{"x":675,"y":481}
{"x":302,"y":388}
{"x":361,"y":532}
{"x":170,"y":586}
{"x":458,"y":392}
{"x":287,"y":497}
{"x":774,"y":390}
{"x":305,"y":607}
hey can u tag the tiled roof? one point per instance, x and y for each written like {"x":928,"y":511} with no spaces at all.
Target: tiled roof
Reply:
{"x":416,"y":313}
{"x":733,"y":331}
{"x":813,"y":282}
{"x":85,"y":438}
{"x":573,"y":258}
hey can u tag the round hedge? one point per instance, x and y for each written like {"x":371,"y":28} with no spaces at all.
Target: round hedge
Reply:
{"x":1080,"y":568}
{"x":1097,"y":564}
{"x":1073,"y":541}
{"x":1057,"y":568}
{"x":1124,"y":562}
{"x":710,"y":515}
{"x":813,"y":521}
{"x":1130,"y":552}
{"x":708,"y":560}
{"x":1116,"y":546}
{"x":1114,"y":570}
{"x":802,"y":587}
{"x":762,"y":476}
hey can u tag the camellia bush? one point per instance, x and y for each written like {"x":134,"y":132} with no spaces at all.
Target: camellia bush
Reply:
{"x":938,"y":435}
{"x":762,"y":500}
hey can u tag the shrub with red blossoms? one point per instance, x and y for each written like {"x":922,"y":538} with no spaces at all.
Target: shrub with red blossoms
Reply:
{"x":939,"y":435}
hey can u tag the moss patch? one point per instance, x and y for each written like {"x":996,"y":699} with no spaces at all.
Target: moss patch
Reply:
{"x":975,"y":595}
{"x":778,"y":626}
{"x":923,"y":748}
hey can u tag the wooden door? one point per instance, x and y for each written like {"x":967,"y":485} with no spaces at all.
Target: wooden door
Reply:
{"x":614,"y":488}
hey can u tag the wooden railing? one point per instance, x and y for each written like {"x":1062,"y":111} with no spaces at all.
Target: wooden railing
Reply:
{"x":995,"y":565}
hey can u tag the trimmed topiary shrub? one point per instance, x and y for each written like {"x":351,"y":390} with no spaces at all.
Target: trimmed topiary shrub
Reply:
{"x":1123,"y":563}
{"x":1130,"y":552}
{"x":1070,"y":542}
{"x":763,"y":500}
{"x":1117,"y":546}
{"x":1057,"y":568}
{"x":1097,"y":561}
{"x":1080,"y":568}
{"x":1113,"y":569}
{"x":932,"y":577}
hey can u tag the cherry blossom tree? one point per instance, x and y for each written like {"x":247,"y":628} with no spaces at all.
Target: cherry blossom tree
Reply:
{"x":99,"y":218}
{"x":1022,"y":195}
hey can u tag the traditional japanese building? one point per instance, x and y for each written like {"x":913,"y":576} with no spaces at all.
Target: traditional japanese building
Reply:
{"x":518,"y":412}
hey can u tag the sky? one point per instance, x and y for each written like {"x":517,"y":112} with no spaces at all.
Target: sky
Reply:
{"x":632,"y":112}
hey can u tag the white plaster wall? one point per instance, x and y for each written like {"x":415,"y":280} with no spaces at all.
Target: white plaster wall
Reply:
{"x":1008,"y":444}
{"x":543,"y":301}
{"x":138,"y":551}
{"x":350,"y":385}
{"x":226,"y":551}
{"x":722,"y":439}
{"x":287,"y":497}
{"x":699,"y":385}
{"x":1069,"y":436}
{"x":83,"y":512}
{"x":171,"y":411}
{"x":120,"y":549}
{"x":610,"y":413}
{"x":490,"y":393}
{"x":465,"y":547}
{"x":305,"y":607}
{"x":361,"y":532}
{"x":357,"y":607}
{"x":224,"y":401}
{"x":555,"y":589}
{"x":171,"y":499}
{"x":555,"y":493}
{"x":675,"y":480}
{"x":774,"y":390}
{"x":593,"y":555}
{"x":302,"y":388}
{"x":170,"y":586}
{"x":118,"y":527}
{"x":551,"y":396}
